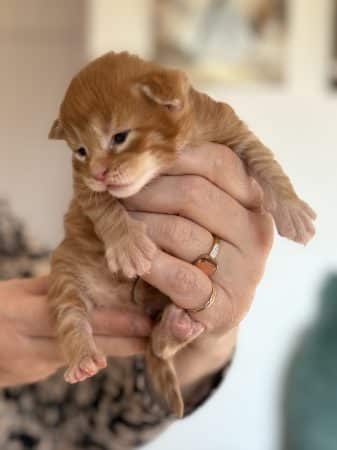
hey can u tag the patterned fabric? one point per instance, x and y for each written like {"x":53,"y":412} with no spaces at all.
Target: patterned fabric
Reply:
{"x":115,"y":410}
{"x":20,"y":256}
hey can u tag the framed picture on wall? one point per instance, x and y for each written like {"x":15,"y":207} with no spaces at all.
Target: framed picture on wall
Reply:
{"x":222,"y":40}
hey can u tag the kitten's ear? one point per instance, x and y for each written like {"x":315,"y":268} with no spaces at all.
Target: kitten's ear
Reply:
{"x":56,"y":131}
{"x":168,"y":88}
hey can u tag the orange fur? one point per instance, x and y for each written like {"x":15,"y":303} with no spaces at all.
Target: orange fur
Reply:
{"x":162,"y":113}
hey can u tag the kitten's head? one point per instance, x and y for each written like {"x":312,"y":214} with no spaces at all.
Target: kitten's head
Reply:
{"x":122,"y":117}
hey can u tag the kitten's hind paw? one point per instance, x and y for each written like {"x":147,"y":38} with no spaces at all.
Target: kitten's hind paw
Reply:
{"x":175,"y":330}
{"x":85,"y":367}
{"x":133,"y":254}
{"x":294,"y":220}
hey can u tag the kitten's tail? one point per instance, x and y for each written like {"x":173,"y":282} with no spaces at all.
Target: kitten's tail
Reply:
{"x":165,"y":381}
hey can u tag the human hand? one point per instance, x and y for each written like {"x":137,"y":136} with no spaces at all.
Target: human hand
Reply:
{"x":208,"y":192}
{"x":29,"y":351}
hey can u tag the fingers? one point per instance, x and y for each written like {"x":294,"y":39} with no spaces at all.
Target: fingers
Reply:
{"x":36,"y":322}
{"x":184,"y":283}
{"x":41,"y":357}
{"x":187,"y":240}
{"x":48,"y":351}
{"x":176,"y":235}
{"x":189,"y":288}
{"x":222,"y":315}
{"x":45,"y":350}
{"x":36,"y":286}
{"x":120,"y":323}
{"x":223,"y":167}
{"x":198,"y":200}
{"x":121,"y":347}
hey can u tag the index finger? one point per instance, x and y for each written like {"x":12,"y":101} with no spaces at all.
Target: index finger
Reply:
{"x":36,"y":321}
{"x":36,"y":286}
{"x":220,"y":165}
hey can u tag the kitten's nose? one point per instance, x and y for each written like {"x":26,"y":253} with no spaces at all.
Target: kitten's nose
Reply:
{"x":100,"y":174}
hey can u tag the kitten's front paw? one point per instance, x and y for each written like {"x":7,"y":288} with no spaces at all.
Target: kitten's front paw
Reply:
{"x":132,"y":255}
{"x":294,"y":220}
{"x":85,"y":366}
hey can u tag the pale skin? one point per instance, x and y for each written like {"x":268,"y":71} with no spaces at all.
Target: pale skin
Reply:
{"x":206,"y":192}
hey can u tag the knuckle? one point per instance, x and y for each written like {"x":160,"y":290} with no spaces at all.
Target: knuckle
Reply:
{"x":224,"y":159}
{"x":218,"y":163}
{"x":191,"y":189}
{"x":179,"y":231}
{"x":232,"y":307}
{"x":212,"y":195}
{"x":186,"y":280}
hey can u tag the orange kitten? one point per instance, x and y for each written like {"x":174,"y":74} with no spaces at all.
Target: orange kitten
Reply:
{"x":125,"y":120}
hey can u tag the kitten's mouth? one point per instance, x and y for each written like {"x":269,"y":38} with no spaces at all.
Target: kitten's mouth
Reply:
{"x":122,"y":190}
{"x":112,"y":186}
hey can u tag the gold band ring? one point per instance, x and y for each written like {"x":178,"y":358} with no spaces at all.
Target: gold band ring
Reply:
{"x":207,"y":263}
{"x":209,"y":302}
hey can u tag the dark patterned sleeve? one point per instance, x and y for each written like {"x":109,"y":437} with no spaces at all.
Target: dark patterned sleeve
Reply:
{"x":115,"y":410}
{"x":20,"y":255}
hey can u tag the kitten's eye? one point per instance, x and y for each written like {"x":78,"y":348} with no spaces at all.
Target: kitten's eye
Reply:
{"x":81,"y":153}
{"x":119,"y":138}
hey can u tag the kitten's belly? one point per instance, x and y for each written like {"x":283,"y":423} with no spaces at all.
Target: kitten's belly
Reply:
{"x":102,"y":289}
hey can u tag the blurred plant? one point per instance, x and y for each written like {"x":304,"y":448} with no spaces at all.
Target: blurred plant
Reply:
{"x":310,"y":404}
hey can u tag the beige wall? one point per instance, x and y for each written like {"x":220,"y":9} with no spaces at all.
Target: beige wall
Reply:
{"x":41,"y":46}
{"x":120,"y":25}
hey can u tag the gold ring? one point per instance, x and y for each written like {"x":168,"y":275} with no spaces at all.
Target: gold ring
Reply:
{"x":207,"y":263}
{"x":209,"y":302}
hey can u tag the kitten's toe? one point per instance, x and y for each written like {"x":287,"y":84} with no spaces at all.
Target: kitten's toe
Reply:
{"x":92,"y":364}
{"x":141,"y":250}
{"x":140,"y":262}
{"x":75,"y":374}
{"x":294,"y":219}
{"x":112,"y":260}
{"x":85,"y":367}
{"x":145,"y":245}
{"x":135,"y":256}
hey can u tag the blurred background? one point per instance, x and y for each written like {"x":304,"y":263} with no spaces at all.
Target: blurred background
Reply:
{"x":275,"y":62}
